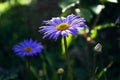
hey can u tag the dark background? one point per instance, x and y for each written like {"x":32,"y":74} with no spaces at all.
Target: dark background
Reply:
{"x":19,"y":21}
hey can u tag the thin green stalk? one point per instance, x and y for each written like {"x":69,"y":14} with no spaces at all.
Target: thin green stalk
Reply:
{"x":102,"y":65}
{"x":96,"y":20}
{"x":94,"y":66}
{"x":70,"y":76}
{"x":23,"y":63}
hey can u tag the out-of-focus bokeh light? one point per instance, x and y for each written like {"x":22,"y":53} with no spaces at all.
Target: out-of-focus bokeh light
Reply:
{"x":4,"y":6}
{"x":25,"y":2}
{"x":77,"y":10}
{"x":113,"y":1}
{"x":8,"y":4}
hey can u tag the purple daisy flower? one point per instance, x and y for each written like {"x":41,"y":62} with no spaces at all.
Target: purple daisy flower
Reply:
{"x":118,"y":20}
{"x":28,"y":48}
{"x":62,"y":26}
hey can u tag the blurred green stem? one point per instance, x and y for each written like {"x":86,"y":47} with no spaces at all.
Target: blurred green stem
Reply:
{"x":60,"y":76}
{"x":51,"y":65}
{"x":31,"y":69}
{"x":44,"y":67}
{"x":70,"y":76}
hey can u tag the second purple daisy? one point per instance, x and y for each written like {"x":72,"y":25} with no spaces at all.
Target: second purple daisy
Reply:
{"x":28,"y":48}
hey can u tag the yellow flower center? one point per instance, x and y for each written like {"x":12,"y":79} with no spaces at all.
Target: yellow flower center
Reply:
{"x":27,"y":49}
{"x":62,"y":26}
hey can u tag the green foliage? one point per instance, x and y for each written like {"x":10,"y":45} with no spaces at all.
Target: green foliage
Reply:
{"x":11,"y":74}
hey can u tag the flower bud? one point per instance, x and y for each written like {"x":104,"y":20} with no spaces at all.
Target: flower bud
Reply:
{"x":98,"y":48}
{"x":60,"y":71}
{"x":118,"y":20}
{"x":41,"y":73}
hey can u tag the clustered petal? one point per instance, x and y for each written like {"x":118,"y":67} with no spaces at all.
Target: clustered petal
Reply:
{"x":58,"y":26}
{"x":28,"y":48}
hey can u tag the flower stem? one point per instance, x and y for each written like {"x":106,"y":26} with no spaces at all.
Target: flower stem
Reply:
{"x":60,"y":77}
{"x":102,"y":65}
{"x":28,"y":64}
{"x":44,"y":67}
{"x":70,"y":76}
{"x":28,"y":67}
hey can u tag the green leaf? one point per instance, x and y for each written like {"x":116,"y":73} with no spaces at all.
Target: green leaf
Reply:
{"x":66,"y":4}
{"x":112,"y":1}
{"x":85,"y":13}
{"x":12,"y":74}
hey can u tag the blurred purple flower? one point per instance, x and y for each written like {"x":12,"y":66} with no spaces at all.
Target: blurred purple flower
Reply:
{"x":62,"y":26}
{"x":118,"y":20}
{"x":28,"y":48}
{"x":3,"y":71}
